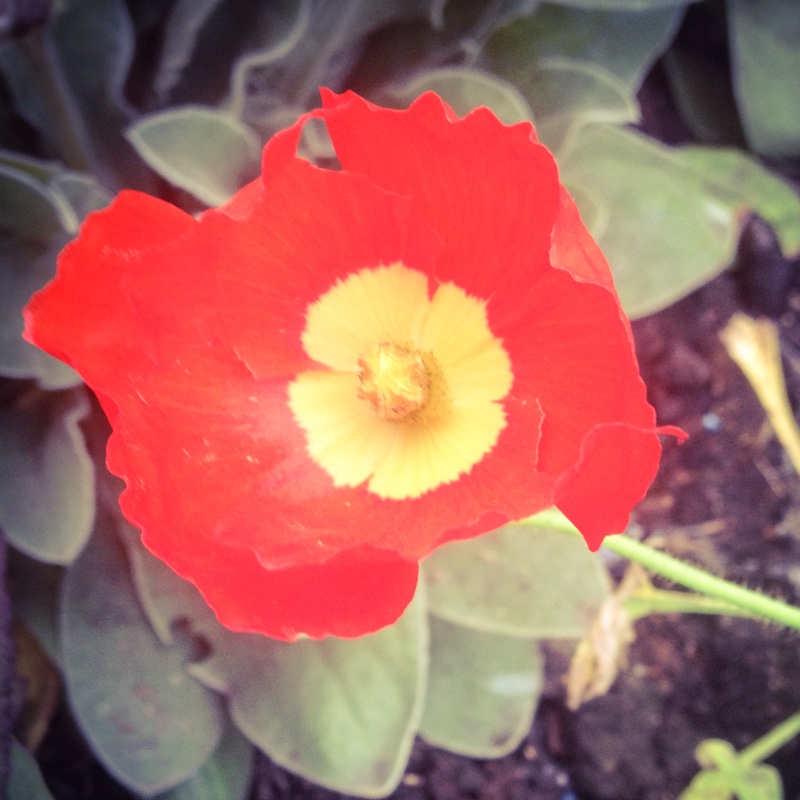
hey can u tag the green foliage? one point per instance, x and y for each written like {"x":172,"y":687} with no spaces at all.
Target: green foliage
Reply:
{"x":726,"y":775}
{"x":92,"y":44}
{"x":41,"y":206}
{"x":518,"y":581}
{"x":342,"y":713}
{"x":622,"y":5}
{"x":467,"y":88}
{"x":208,"y":153}
{"x":668,"y":219}
{"x":483,"y":689}
{"x":25,"y":781}
{"x":765,"y":50}
{"x":623,"y":44}
{"x":225,"y":776}
{"x":47,"y":493}
{"x":147,"y":720}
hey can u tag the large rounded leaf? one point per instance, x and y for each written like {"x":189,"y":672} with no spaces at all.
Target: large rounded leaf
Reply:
{"x":744,"y":185}
{"x":765,"y":50}
{"x":567,"y":95}
{"x":465,"y":89}
{"x":25,"y":781}
{"x":342,"y":713}
{"x":225,"y":776}
{"x":622,"y":44}
{"x":517,"y":581}
{"x":668,"y":219}
{"x":34,"y":224}
{"x":149,"y":722}
{"x":47,"y":491}
{"x":482,"y":690}
{"x":208,"y":153}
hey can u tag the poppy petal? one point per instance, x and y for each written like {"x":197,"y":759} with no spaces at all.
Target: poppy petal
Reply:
{"x":356,"y":593}
{"x":489,"y":190}
{"x":90,"y":277}
{"x":617,"y":464}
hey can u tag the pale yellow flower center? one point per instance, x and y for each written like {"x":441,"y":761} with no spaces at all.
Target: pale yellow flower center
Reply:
{"x":409,"y":394}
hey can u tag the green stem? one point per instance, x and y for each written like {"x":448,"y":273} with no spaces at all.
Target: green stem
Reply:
{"x":701,"y":581}
{"x":764,"y":747}
{"x":660,"y":601}
{"x":691,"y":577}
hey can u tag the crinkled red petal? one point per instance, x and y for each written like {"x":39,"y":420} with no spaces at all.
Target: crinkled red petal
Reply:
{"x":82,"y":316}
{"x":489,"y":190}
{"x":573,"y":249}
{"x":356,"y":593}
{"x":291,"y":242}
{"x":618,"y":462}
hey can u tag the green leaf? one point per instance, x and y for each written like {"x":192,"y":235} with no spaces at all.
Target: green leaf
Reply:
{"x":568,"y":95}
{"x":622,"y":44}
{"x":701,"y":86}
{"x":765,"y":53}
{"x":661,"y":231}
{"x":47,"y":493}
{"x":93,"y":44}
{"x":34,"y":225}
{"x":29,"y":211}
{"x":24,"y":68}
{"x":465,"y":89}
{"x":81,"y":191}
{"x":206,"y":152}
{"x":179,"y":38}
{"x":25,"y":781}
{"x":342,"y":713}
{"x":72,"y":194}
{"x":35,"y":589}
{"x":729,"y":774}
{"x":165,"y":597}
{"x":289,"y":71}
{"x":517,"y":581}
{"x":742,"y":183}
{"x":148,"y":722}
{"x":482,"y":690}
{"x":668,"y":219}
{"x":41,"y":170}
{"x":225,"y":776}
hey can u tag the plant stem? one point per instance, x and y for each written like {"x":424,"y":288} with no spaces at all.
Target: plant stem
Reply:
{"x":647,"y":600}
{"x":764,"y":747}
{"x":691,"y":577}
{"x":701,"y":581}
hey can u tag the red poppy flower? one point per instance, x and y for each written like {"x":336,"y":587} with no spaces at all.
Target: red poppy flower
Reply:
{"x":315,"y":385}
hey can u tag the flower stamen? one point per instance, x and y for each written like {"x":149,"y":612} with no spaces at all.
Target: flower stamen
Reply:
{"x":395,"y":381}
